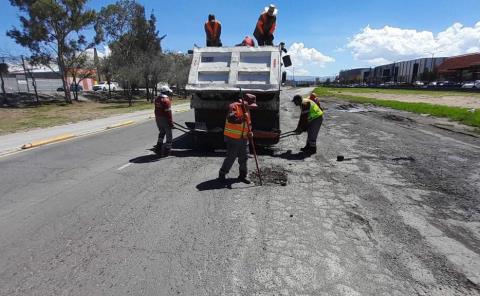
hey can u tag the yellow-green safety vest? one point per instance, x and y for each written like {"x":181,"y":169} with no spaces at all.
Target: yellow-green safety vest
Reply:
{"x":314,"y":112}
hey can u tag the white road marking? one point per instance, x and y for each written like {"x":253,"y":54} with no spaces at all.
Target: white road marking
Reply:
{"x":124,"y":166}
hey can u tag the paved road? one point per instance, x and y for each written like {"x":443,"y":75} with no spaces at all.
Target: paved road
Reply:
{"x":99,"y":215}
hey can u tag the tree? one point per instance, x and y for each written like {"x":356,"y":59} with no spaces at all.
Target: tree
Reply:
{"x":179,"y":70}
{"x":52,"y":31}
{"x":106,"y":68}
{"x":29,"y":73}
{"x":134,"y":43}
{"x":80,"y":67}
{"x":3,"y":72}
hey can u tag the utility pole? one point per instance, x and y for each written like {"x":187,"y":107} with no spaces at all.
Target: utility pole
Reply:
{"x":293,"y":71}
{"x":25,"y":73}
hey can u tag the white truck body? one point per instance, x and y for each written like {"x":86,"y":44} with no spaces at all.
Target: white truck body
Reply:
{"x":218,"y":76}
{"x":232,"y":68}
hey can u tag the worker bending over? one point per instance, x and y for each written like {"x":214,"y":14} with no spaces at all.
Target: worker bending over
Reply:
{"x":266,"y":25}
{"x":163,"y":117}
{"x":311,"y":119}
{"x":237,"y":132}
{"x":213,"y":30}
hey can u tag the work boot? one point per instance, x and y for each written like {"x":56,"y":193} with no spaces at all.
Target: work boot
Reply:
{"x":305,"y":149}
{"x":311,"y":150}
{"x":157,"y":148}
{"x":166,"y":152}
{"x":221,"y":177}
{"x":243,"y":178}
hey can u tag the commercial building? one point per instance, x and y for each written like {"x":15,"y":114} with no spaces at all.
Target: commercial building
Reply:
{"x":406,"y":72}
{"x":461,"y":68}
{"x":354,"y":75}
{"x":46,"y":79}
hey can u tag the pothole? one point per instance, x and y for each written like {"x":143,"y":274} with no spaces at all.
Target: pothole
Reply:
{"x":270,"y":176}
{"x":394,"y":117}
{"x":401,"y":160}
{"x":350,"y":108}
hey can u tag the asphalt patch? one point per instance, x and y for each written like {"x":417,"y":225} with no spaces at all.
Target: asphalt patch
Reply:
{"x":346,"y":107}
{"x":408,"y":159}
{"x":394,"y":117}
{"x":270,"y":176}
{"x":351,"y":108}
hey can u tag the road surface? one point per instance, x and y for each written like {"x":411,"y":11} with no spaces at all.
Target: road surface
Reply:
{"x":99,"y":215}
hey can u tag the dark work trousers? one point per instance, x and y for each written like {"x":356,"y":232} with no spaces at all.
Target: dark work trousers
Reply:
{"x":235,"y":148}
{"x":214,"y":43}
{"x":264,"y":40}
{"x":164,"y":129}
{"x":312,"y":131}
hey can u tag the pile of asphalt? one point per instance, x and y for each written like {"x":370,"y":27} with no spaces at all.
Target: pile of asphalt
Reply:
{"x":270,"y":176}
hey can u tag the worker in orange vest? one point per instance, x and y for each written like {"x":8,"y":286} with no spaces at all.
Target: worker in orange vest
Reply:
{"x":213,"y":30}
{"x":163,"y":117}
{"x":266,"y":25}
{"x":237,"y":127}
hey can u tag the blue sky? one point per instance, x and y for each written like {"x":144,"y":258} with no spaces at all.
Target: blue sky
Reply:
{"x":332,"y":32}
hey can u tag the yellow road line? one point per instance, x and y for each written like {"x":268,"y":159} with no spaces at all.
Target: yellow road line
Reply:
{"x":48,"y":141}
{"x":120,"y":124}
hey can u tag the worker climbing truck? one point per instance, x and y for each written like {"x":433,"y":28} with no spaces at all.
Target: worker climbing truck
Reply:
{"x":220,"y":75}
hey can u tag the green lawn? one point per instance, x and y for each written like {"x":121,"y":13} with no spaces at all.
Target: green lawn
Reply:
{"x":57,"y":113}
{"x":462,"y":115}
{"x":423,"y":92}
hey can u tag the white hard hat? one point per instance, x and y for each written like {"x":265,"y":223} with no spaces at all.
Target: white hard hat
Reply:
{"x":165,"y":89}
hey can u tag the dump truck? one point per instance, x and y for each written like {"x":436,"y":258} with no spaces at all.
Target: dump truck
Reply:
{"x":220,"y":75}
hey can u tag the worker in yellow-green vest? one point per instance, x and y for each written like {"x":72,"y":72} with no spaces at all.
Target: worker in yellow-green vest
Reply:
{"x":238,"y":126}
{"x":311,"y":119}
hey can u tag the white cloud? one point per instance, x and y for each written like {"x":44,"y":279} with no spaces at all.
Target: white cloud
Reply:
{"x":305,"y":59}
{"x":388,"y":44}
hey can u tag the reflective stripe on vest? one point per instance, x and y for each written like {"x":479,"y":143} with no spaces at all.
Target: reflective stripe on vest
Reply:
{"x":314,"y":112}
{"x":236,"y":130}
{"x":213,"y":31}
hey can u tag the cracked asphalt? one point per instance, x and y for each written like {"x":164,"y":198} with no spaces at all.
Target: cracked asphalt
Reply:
{"x":100,"y":215}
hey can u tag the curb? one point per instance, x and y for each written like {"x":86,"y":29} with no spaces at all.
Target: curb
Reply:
{"x":48,"y":141}
{"x":120,"y":124}
{"x":68,"y":136}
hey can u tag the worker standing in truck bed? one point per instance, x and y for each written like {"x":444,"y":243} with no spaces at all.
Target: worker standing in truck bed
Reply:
{"x":213,"y":30}
{"x":266,"y":25}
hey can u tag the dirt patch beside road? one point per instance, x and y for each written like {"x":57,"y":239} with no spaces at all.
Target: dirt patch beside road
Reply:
{"x":465,"y":101}
{"x":57,"y":112}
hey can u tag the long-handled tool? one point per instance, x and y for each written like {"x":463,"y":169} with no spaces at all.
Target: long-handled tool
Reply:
{"x":181,"y":127}
{"x":287,"y":134}
{"x":251,"y":140}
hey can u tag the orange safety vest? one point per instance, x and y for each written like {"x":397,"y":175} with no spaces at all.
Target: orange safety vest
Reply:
{"x":263,"y":21}
{"x":238,"y":131}
{"x":213,"y":31}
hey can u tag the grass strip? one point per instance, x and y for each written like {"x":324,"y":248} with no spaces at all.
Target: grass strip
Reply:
{"x":57,"y":113}
{"x":423,"y":92}
{"x":463,"y":115}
